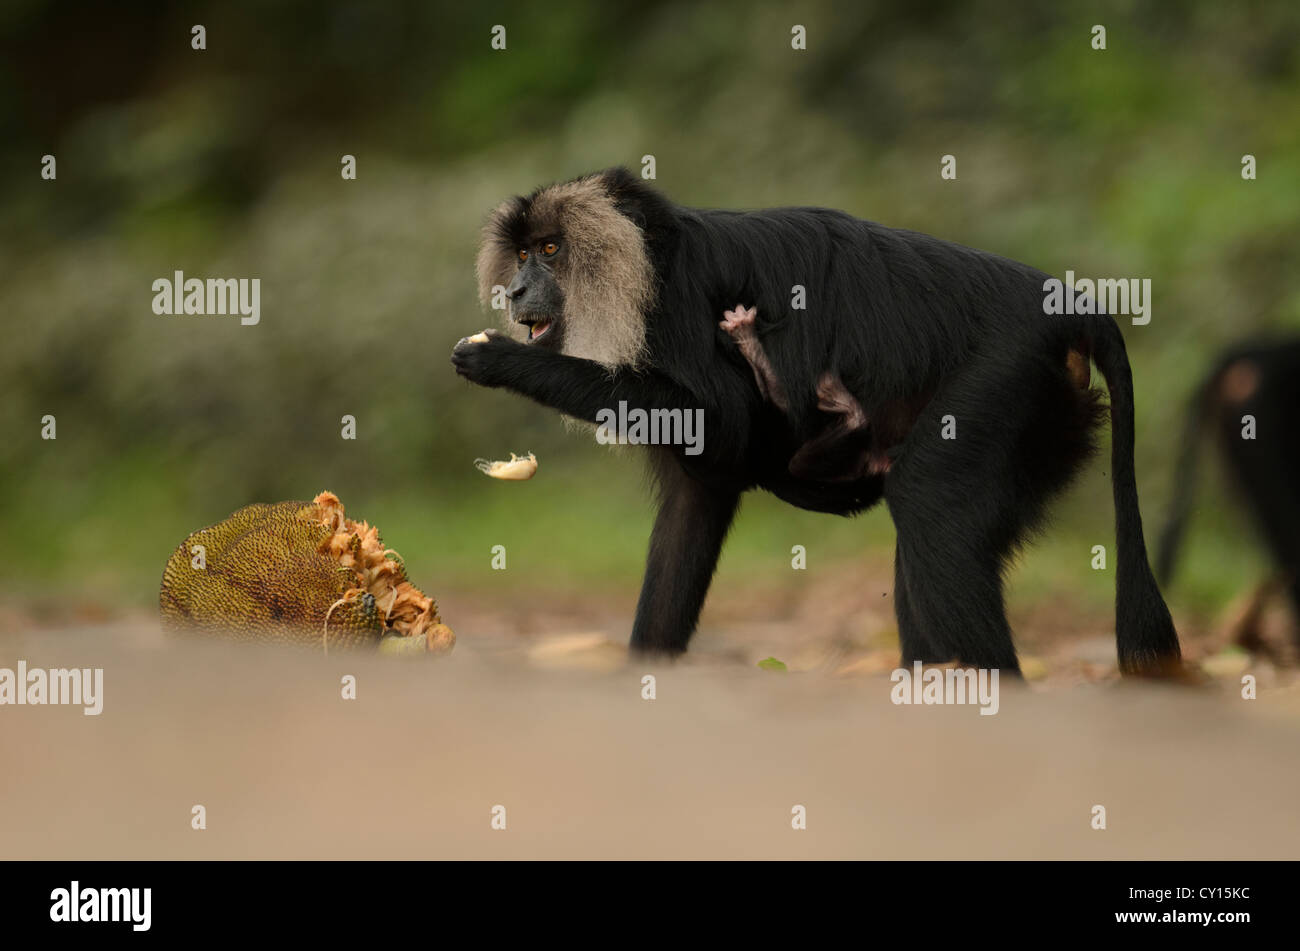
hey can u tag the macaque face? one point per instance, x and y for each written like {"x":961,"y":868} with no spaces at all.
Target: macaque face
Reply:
{"x":575,"y":271}
{"x":535,"y":294}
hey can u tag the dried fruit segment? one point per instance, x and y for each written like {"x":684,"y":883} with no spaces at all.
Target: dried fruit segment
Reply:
{"x":298,"y":572}
{"x":516,"y":469}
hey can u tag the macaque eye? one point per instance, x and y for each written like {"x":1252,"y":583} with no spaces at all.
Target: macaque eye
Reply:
{"x":523,"y":254}
{"x":549,"y":248}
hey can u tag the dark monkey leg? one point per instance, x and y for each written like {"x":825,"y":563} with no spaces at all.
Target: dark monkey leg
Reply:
{"x":955,"y":533}
{"x":689,"y":530}
{"x":911,"y":636}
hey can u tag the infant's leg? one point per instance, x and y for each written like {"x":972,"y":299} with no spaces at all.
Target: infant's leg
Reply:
{"x":834,"y":397}
{"x":845,"y":451}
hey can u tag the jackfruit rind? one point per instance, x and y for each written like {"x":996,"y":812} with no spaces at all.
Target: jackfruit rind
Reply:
{"x":296,"y":572}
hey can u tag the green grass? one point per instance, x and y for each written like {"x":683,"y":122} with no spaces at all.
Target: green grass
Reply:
{"x":103,"y":535}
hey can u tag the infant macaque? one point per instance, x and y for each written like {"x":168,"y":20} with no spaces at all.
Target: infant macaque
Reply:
{"x":846,"y":449}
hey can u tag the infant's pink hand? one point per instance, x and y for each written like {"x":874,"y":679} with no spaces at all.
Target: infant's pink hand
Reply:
{"x":733,"y":320}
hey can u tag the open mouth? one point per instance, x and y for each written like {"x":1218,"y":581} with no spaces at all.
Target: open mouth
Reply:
{"x":537,"y":330}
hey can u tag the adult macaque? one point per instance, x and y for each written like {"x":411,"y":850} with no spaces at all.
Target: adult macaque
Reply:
{"x":620,"y":291}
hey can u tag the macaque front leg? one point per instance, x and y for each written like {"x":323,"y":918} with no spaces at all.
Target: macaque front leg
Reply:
{"x":689,"y":530}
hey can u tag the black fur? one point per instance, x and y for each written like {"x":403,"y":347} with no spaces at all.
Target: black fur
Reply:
{"x":905,"y":320}
{"x":1266,"y":469}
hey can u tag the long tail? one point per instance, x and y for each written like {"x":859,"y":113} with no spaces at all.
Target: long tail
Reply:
{"x":1144,"y":631}
{"x":1171,"y":536}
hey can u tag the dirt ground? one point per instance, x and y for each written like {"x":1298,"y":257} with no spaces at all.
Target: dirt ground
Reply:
{"x":539,"y":711}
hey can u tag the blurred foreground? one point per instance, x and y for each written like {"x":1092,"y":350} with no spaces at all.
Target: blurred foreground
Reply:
{"x":553,"y":727}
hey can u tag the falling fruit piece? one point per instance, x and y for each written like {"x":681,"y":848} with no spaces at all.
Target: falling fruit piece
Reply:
{"x":516,"y":469}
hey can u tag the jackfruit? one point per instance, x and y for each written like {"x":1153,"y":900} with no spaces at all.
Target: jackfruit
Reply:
{"x":299,"y":573}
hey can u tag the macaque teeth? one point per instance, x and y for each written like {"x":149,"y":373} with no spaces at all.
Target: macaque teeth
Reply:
{"x":480,"y":337}
{"x":516,"y":469}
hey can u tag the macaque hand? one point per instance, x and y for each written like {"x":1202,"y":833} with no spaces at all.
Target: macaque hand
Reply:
{"x":479,"y":358}
{"x":736,"y":321}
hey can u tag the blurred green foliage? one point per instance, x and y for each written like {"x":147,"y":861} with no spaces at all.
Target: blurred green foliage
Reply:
{"x":225,"y":162}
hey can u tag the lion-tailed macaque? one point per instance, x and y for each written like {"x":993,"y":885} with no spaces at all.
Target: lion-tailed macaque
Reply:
{"x":970,"y":390}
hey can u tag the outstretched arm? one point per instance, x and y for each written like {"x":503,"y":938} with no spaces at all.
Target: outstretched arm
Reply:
{"x":583,"y":388}
{"x":574,"y":386}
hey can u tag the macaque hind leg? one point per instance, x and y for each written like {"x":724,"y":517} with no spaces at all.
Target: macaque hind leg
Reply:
{"x":833,"y":397}
{"x":844,"y":451}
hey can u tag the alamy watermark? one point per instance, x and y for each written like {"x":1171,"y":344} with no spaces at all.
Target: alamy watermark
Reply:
{"x":216,"y":295}
{"x":37,"y":686}
{"x":938,"y":685}
{"x":652,"y":427}
{"x":1103,"y":296}
{"x":134,"y":905}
